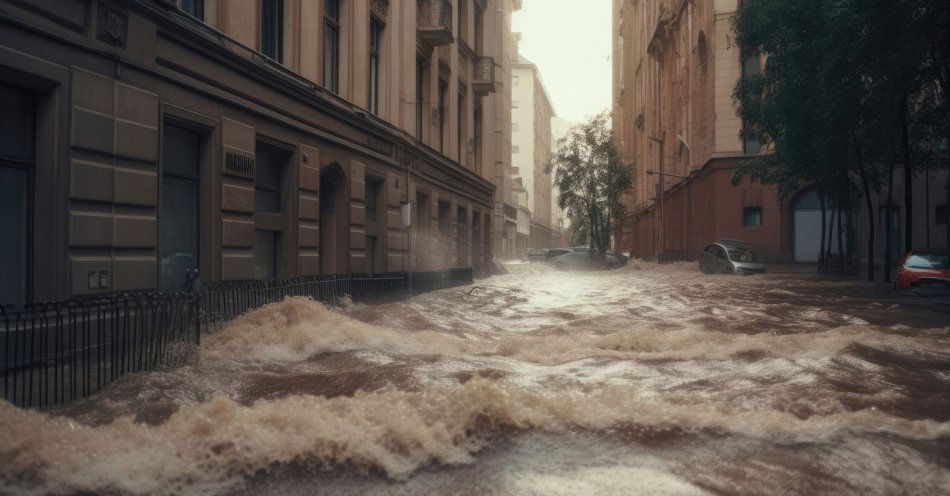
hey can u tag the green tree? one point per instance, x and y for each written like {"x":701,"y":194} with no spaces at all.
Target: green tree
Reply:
{"x":850,"y":89}
{"x":591,"y":180}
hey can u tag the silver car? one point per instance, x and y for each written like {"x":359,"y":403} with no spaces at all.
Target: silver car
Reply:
{"x":730,"y":257}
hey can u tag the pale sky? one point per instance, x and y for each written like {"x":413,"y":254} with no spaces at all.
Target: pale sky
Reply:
{"x":569,"y":40}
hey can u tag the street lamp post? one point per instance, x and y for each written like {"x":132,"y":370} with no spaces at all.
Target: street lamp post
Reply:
{"x":651,"y":172}
{"x":661,"y":140}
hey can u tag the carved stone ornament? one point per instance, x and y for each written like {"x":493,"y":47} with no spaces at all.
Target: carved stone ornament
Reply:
{"x":113,"y":25}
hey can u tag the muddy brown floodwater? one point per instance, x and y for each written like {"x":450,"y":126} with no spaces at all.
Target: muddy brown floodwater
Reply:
{"x":644,"y":380}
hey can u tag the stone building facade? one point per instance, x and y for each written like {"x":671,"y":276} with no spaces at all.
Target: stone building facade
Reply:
{"x":146,"y":142}
{"x":532,"y":112}
{"x":675,"y":66}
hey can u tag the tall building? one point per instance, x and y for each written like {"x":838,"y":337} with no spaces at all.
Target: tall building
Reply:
{"x":145,"y":141}
{"x":675,"y":66}
{"x":531,"y":152}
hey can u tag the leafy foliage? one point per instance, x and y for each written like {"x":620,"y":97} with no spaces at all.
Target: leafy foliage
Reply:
{"x":591,"y":179}
{"x":850,"y":89}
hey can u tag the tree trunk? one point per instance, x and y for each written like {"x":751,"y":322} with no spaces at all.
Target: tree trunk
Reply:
{"x":888,"y":223}
{"x":840,"y":240}
{"x":821,"y":251}
{"x":908,"y":180}
{"x":870,"y":206}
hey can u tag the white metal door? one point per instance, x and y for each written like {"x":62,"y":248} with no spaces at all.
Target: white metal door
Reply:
{"x":807,"y":235}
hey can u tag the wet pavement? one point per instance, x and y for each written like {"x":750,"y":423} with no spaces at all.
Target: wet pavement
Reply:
{"x":644,"y":380}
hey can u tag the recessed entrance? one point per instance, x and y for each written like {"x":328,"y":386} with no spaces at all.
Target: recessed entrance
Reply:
{"x":334,"y":235}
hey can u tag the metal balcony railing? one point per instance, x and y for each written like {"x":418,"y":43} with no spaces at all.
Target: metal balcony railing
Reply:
{"x":435,"y":22}
{"x":485,"y":81}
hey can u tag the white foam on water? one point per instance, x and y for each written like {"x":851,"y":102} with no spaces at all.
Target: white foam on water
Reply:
{"x":212,"y":446}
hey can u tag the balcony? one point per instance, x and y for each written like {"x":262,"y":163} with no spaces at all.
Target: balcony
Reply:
{"x":484,"y":82}
{"x":435,"y":22}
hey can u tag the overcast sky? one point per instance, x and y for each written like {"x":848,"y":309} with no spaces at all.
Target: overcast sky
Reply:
{"x":569,"y":40}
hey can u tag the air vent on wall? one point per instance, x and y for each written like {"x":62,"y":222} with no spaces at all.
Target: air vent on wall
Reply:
{"x":239,"y":164}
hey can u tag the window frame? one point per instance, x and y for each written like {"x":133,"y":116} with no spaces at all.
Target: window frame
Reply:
{"x":745,"y":216}
{"x":331,"y":51}
{"x":196,"y":178}
{"x":376,"y":28}
{"x":197,"y":11}
{"x":277,"y":24}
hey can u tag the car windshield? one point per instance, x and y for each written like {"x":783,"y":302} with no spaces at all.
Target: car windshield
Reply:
{"x":929,"y":261}
{"x":743,"y":255}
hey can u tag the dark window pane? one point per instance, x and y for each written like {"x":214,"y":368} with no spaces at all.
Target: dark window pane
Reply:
{"x":272,"y":29}
{"x":332,"y":9}
{"x":331,"y":57}
{"x":940,"y":215}
{"x":14,"y":244}
{"x":267,"y":201}
{"x":16,"y":123}
{"x":372,"y":199}
{"x":194,"y":8}
{"x":265,"y":254}
{"x":267,"y":180}
{"x":179,"y":218}
{"x":180,"y":154}
{"x":753,"y":217}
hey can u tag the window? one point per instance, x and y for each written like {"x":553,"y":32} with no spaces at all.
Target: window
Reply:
{"x":443,"y":110}
{"x":194,"y":8}
{"x":267,"y":179}
{"x":940,"y":215}
{"x":515,"y":127}
{"x":422,"y":212}
{"x":461,"y":127}
{"x":272,"y":29}
{"x":179,"y":208}
{"x":753,"y":217}
{"x":751,"y":66}
{"x":375,"y":30}
{"x":331,"y":45}
{"x":477,"y":136}
{"x":420,"y":96}
{"x":445,"y":223}
{"x":373,"y":188}
{"x":265,"y":254}
{"x":515,"y":82}
{"x":515,"y":104}
{"x":515,"y":149}
{"x":16,"y":157}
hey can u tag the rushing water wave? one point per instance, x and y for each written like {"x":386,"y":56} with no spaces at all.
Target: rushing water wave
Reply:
{"x":645,"y":380}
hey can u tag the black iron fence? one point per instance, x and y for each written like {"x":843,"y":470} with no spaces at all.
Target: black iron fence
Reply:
{"x":56,"y":352}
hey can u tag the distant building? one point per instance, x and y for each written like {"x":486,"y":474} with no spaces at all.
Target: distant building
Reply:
{"x":675,"y":66}
{"x":144,"y":140}
{"x":531,"y":114}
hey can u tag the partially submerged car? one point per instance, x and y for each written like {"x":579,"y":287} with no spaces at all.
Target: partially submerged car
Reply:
{"x":585,"y":261}
{"x":730,"y":257}
{"x":925,"y":272}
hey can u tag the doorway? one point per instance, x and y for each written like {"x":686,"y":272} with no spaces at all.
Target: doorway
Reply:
{"x":334,"y":222}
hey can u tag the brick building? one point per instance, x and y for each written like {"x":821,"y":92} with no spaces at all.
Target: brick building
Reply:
{"x":675,"y":66}
{"x":145,"y":140}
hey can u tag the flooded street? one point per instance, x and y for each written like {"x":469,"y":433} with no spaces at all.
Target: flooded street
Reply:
{"x":644,"y":380}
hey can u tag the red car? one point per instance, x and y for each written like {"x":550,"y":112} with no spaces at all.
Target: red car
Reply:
{"x":924,"y":269}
